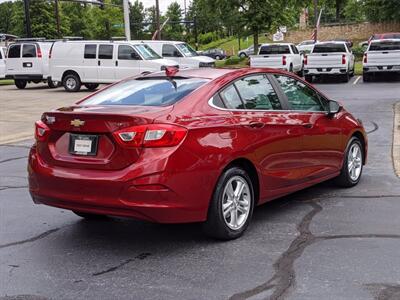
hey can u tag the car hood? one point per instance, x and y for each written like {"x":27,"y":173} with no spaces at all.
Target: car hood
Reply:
{"x":202,"y":58}
{"x":165,"y":62}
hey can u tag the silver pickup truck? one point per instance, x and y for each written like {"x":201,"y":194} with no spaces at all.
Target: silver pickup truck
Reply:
{"x":381,"y":56}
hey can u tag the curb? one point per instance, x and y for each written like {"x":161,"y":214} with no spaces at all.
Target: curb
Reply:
{"x":396,"y":139}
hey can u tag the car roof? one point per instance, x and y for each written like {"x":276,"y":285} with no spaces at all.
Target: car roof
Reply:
{"x":279,"y":44}
{"x":159,"y":42}
{"x":332,"y":42}
{"x":385,"y":40}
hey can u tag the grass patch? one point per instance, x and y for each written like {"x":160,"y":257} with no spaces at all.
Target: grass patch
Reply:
{"x":358,"y":68}
{"x":231,"y":45}
{"x":6,"y":82}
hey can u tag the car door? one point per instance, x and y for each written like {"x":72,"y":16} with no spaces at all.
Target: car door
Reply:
{"x":90,"y":64}
{"x":106,"y":63}
{"x":170,"y":51}
{"x":13,"y":58}
{"x":322,"y":138}
{"x":128,"y":62}
{"x":2,"y":64}
{"x":274,"y":140}
{"x":297,"y":61}
{"x":31,"y":59}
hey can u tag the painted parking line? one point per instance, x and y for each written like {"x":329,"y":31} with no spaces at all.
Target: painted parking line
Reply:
{"x":357,"y":80}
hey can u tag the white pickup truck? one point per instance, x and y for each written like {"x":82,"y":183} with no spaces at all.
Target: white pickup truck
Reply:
{"x":381,"y":56}
{"x":329,"y":58}
{"x":283,"y":56}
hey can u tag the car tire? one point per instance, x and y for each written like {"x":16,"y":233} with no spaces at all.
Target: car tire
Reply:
{"x":242,"y":55}
{"x":300,"y":73}
{"x":346,"y":77}
{"x":20,"y":83}
{"x":217,"y":57}
{"x":366,"y":77}
{"x":351,"y":171}
{"x":72,"y":83}
{"x":91,"y":86}
{"x":308,"y":78}
{"x":53,"y":84}
{"x":89,"y":216}
{"x":238,"y":209}
{"x":291,"y":68}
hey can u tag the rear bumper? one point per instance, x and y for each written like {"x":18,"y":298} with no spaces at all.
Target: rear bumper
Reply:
{"x":376,"y":69}
{"x":147,"y":193}
{"x":325,"y":71}
{"x":26,"y":76}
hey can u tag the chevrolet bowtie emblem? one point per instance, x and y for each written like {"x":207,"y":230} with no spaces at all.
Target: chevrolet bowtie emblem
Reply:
{"x":77,"y":122}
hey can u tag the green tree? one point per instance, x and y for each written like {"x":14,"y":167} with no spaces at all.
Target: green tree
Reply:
{"x":382,"y":10}
{"x":107,"y":21}
{"x":136,"y":17}
{"x":174,"y":14}
{"x":43,"y":22}
{"x":78,"y":18}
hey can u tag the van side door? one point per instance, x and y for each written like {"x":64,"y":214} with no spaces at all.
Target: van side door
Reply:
{"x":106,"y":63}
{"x":89,"y":63}
{"x":128,"y":62}
{"x":170,"y":51}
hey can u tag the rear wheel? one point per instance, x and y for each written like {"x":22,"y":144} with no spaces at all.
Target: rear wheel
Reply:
{"x":346,"y":77}
{"x":72,"y":83}
{"x":352,"y":164}
{"x":308,"y":78}
{"x":89,"y":216}
{"x":20,"y":83}
{"x":52,"y":84}
{"x":291,"y":68}
{"x":91,"y":86}
{"x":231,"y":206}
{"x":217,"y":57}
{"x":366,"y":77}
{"x":242,"y":55}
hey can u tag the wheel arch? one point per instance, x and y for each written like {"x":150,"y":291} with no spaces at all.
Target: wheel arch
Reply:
{"x":68,"y":72}
{"x":361,"y":137}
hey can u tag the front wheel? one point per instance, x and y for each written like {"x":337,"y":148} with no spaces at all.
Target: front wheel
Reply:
{"x":20,"y":83}
{"x":352,"y":164}
{"x":217,"y":57}
{"x":72,"y":83}
{"x":231,"y":206}
{"x":242,"y":55}
{"x":53,"y":84}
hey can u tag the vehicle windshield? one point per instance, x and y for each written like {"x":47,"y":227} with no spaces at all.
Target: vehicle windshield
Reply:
{"x":274,"y":49}
{"x":146,"y":52}
{"x":146,"y":92}
{"x":385,"y":46}
{"x":329,"y":48}
{"x":186,"y":50}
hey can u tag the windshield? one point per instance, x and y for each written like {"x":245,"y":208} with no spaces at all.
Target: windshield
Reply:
{"x":385,"y":46}
{"x":329,"y":48}
{"x":146,"y":52}
{"x":146,"y":92}
{"x":186,"y":50}
{"x":275,"y":49}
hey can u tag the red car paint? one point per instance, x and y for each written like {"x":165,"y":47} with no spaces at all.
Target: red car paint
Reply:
{"x":289,"y":150}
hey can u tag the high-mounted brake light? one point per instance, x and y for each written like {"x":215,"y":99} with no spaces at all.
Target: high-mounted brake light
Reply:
{"x":343,"y":59}
{"x":41,"y":131}
{"x":38,"y":51}
{"x":149,"y":136}
{"x":171,"y":71}
{"x":284,"y":60}
{"x":365,"y":58}
{"x":305,"y":60}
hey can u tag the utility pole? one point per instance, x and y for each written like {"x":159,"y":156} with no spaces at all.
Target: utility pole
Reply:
{"x":315,"y":12}
{"x":27,"y":19}
{"x":158,"y":37}
{"x":57,"y":18}
{"x":127,"y":24}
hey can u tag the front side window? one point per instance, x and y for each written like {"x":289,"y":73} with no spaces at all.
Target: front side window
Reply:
{"x":257,"y":93}
{"x":106,"y":51}
{"x":29,"y":50}
{"x":126,"y":53}
{"x":146,"y":92}
{"x":146,"y":52}
{"x":14,"y":51}
{"x":169,"y":50}
{"x":186,"y":50}
{"x":90,"y":51}
{"x":300,"y":96}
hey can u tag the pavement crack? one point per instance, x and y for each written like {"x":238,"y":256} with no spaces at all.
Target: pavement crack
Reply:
{"x":376,"y":127}
{"x":284,"y":278}
{"x":12,"y":159}
{"x":33,"y":239}
{"x":3,"y":188}
{"x":358,"y":236}
{"x":112,"y":269}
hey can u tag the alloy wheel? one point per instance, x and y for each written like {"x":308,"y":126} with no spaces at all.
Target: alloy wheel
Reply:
{"x":354,"y":162}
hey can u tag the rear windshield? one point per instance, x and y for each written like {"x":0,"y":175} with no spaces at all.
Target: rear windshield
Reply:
{"x":274,"y":49}
{"x":146,"y":92}
{"x":329,"y":48}
{"x":385,"y":46}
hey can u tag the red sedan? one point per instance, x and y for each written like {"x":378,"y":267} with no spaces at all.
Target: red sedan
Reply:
{"x":204,"y":145}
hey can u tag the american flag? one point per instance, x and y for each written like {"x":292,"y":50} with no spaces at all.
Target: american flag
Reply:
{"x":314,"y":35}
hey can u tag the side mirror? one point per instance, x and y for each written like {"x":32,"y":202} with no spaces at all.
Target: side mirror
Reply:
{"x":177,"y":54}
{"x":333,"y":108}
{"x":135,"y":56}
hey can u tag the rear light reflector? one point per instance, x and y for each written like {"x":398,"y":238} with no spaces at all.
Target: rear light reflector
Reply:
{"x":365,"y":60}
{"x":38,"y":51}
{"x":284,"y":60}
{"x":41,"y":131}
{"x":149,"y":136}
{"x":305,"y":59}
{"x":343,"y":59}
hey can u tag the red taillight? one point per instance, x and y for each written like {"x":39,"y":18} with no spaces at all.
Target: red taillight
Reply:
{"x":284,"y":60}
{"x":365,"y":58}
{"x":343,"y":59}
{"x":38,"y":51}
{"x":41,"y":131}
{"x":305,"y":60}
{"x":152,"y":135}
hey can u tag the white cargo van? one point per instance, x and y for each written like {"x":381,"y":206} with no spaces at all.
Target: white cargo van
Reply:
{"x":182,"y":53}
{"x":93,"y":62}
{"x":28,"y":61}
{"x":2,"y":62}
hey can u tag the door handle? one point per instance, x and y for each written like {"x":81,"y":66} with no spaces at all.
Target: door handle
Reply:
{"x":255,"y":125}
{"x":116,"y":63}
{"x":308,"y":125}
{"x":98,"y":63}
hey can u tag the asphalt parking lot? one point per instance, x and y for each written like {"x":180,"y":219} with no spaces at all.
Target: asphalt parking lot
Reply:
{"x":321,"y":243}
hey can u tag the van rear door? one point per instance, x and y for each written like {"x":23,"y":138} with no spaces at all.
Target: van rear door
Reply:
{"x":31,"y":62}
{"x":13,"y":59}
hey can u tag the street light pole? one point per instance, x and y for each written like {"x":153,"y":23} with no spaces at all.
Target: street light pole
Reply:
{"x":57,"y":18}
{"x":158,"y":37}
{"x":27,"y":19}
{"x":126,"y":20}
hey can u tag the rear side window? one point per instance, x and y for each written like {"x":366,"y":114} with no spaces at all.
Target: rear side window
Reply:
{"x":14,"y":51}
{"x":231,"y":98}
{"x":300,"y":96}
{"x":29,"y":50}
{"x":146,"y":92}
{"x":90,"y":51}
{"x":274,"y":49}
{"x":106,"y":51}
{"x":294,"y":49}
{"x":257,"y":93}
{"x":329,"y":48}
{"x":385,"y":46}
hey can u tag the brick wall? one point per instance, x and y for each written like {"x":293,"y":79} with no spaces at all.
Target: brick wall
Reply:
{"x":358,"y":31}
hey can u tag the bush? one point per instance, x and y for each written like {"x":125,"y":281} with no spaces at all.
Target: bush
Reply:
{"x":206,"y":38}
{"x":358,"y":52}
{"x":234,"y":60}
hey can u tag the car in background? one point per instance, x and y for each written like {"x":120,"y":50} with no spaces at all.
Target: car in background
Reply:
{"x":381,"y":36}
{"x":193,"y":145}
{"x":247,"y":52}
{"x":2,"y":62}
{"x":28,"y":61}
{"x":89,"y":63}
{"x":283,"y":56}
{"x":331,"y":58}
{"x":184,"y":55}
{"x":348,"y":42}
{"x":382,"y":56}
{"x":306,"y":46}
{"x":216,"y":54}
